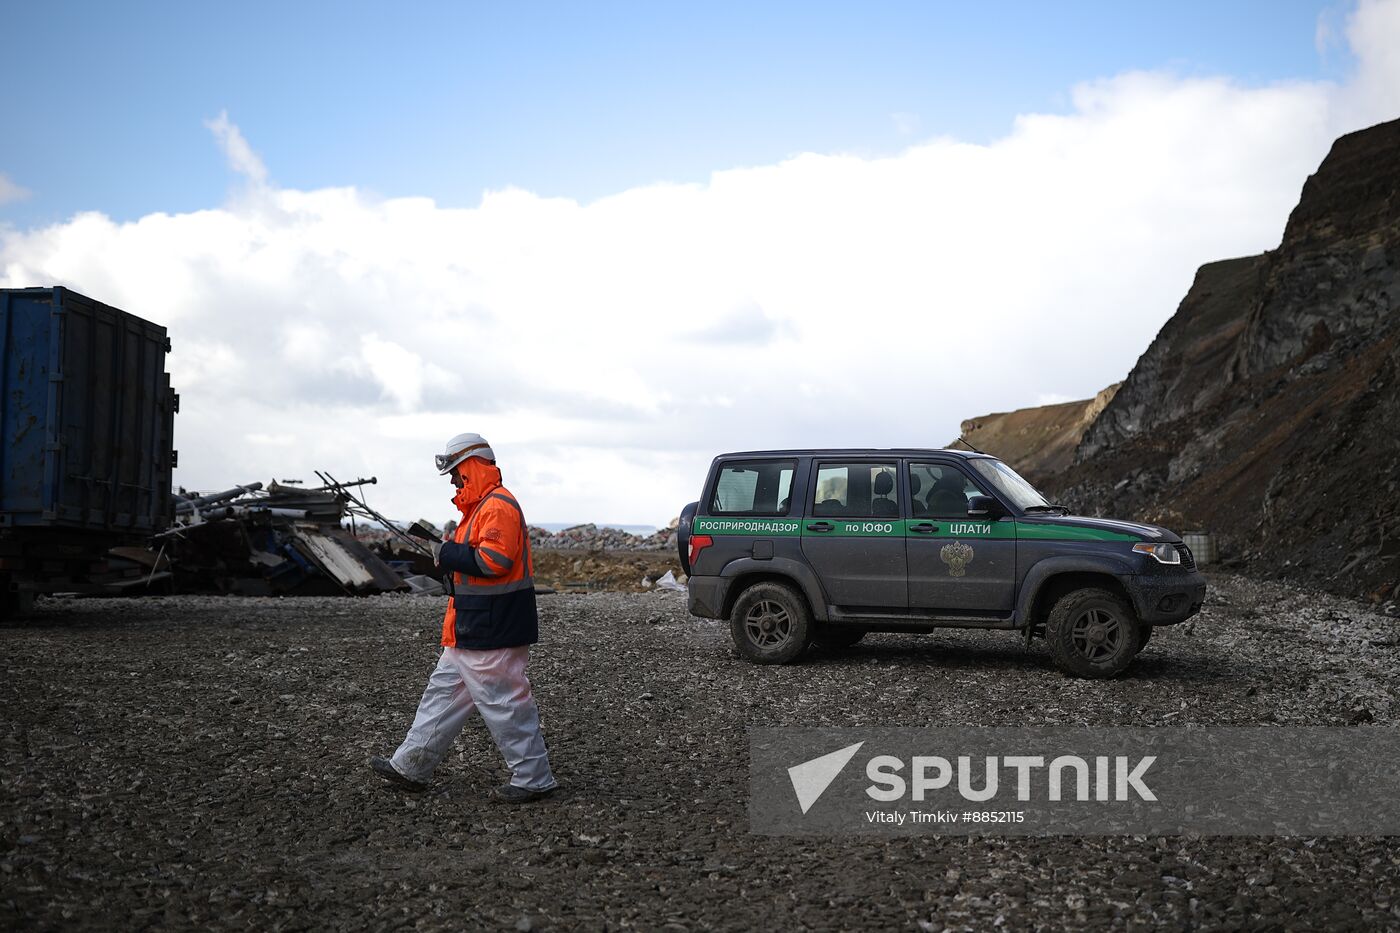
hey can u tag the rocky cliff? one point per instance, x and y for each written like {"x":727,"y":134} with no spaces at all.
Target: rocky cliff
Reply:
{"x":1268,"y":408}
{"x":1335,"y":275}
{"x":1180,"y":372}
{"x":1038,"y":442}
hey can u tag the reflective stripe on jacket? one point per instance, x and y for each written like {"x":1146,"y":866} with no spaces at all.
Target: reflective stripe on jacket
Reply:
{"x":493,"y":605}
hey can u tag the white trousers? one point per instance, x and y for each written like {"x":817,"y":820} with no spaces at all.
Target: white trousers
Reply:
{"x":494,"y":683}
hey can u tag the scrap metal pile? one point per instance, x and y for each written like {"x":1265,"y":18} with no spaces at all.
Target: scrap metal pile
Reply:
{"x":287,"y":539}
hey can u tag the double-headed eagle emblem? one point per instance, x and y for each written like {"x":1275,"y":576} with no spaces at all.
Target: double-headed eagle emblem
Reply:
{"x":957,"y":556}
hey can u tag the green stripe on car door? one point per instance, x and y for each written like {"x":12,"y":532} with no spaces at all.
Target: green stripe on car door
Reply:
{"x":896,"y":528}
{"x":899,"y":528}
{"x":962,"y":528}
{"x":853,"y":528}
{"x":765,"y":527}
{"x":1036,"y":532}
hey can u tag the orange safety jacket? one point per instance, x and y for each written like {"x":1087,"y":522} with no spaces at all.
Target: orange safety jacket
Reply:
{"x":493,"y":602}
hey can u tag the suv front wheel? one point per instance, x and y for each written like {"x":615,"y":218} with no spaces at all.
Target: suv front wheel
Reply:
{"x":1093,"y":633}
{"x":770,"y":624}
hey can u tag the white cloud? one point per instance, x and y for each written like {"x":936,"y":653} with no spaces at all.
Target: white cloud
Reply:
{"x":1373,"y":33}
{"x":241,"y":157}
{"x":1325,"y":33}
{"x":610,"y":349}
{"x":9,"y":191}
{"x":271,"y":440}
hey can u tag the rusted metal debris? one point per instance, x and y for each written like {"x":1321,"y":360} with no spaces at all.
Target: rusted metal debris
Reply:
{"x":279,"y":539}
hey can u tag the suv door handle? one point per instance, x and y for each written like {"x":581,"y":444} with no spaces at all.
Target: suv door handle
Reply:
{"x":820,"y":526}
{"x":923,"y":528}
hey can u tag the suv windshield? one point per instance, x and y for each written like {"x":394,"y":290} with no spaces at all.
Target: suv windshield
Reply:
{"x":1010,"y":484}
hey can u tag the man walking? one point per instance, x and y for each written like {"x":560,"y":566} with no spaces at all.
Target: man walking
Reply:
{"x":491,"y":622}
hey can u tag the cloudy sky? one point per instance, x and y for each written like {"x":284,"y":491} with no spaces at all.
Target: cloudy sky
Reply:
{"x":619,"y":238}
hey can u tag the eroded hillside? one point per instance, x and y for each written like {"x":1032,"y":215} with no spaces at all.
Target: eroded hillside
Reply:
{"x":1267,"y":410}
{"x":1039,"y":442}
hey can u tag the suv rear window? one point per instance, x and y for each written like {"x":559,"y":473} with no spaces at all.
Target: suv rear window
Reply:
{"x":856,"y":490}
{"x":754,"y":487}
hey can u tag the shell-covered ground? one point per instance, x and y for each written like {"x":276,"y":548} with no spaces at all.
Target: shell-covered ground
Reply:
{"x":200,"y":762}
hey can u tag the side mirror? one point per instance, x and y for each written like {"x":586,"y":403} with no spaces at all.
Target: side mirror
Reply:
{"x":983,"y":507}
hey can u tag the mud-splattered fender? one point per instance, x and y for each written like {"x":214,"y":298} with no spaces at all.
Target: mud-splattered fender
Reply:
{"x":796,"y":571}
{"x":1042,"y":571}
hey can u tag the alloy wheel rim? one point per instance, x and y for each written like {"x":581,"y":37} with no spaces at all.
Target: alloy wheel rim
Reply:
{"x":1097,"y":634}
{"x":767,"y":624}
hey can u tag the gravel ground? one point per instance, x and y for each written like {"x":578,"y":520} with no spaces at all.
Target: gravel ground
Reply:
{"x":196,"y":761}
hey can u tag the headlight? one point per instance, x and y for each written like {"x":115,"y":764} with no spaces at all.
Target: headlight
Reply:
{"x":1162,"y":553}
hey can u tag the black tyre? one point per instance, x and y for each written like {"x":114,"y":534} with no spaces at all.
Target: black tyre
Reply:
{"x":1093,"y":633}
{"x":770,"y":624}
{"x":837,"y":636}
{"x":1144,"y":636}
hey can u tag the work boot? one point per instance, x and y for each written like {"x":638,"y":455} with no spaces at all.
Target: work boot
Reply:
{"x":512,"y":794}
{"x":385,"y":769}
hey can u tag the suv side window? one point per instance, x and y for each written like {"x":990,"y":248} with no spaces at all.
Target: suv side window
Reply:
{"x":939,"y":490}
{"x":857,"y":490}
{"x":754,"y":487}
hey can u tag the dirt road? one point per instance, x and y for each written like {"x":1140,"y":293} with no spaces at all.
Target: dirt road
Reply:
{"x":199,"y":762}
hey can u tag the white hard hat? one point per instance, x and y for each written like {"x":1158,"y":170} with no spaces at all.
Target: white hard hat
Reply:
{"x":460,"y":448}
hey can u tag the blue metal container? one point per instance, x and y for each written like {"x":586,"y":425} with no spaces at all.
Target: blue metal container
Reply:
{"x":87,"y":416}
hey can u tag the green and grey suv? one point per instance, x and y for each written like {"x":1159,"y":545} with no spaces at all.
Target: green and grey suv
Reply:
{"x":796,"y":547}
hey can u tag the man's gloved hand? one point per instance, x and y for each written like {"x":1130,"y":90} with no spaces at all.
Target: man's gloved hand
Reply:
{"x":437,"y":549}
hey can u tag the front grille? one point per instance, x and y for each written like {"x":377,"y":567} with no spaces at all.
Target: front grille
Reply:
{"x":1188,"y":562}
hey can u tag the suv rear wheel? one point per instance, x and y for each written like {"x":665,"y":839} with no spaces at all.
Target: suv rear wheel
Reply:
{"x":1092,"y":633}
{"x":770,"y":623}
